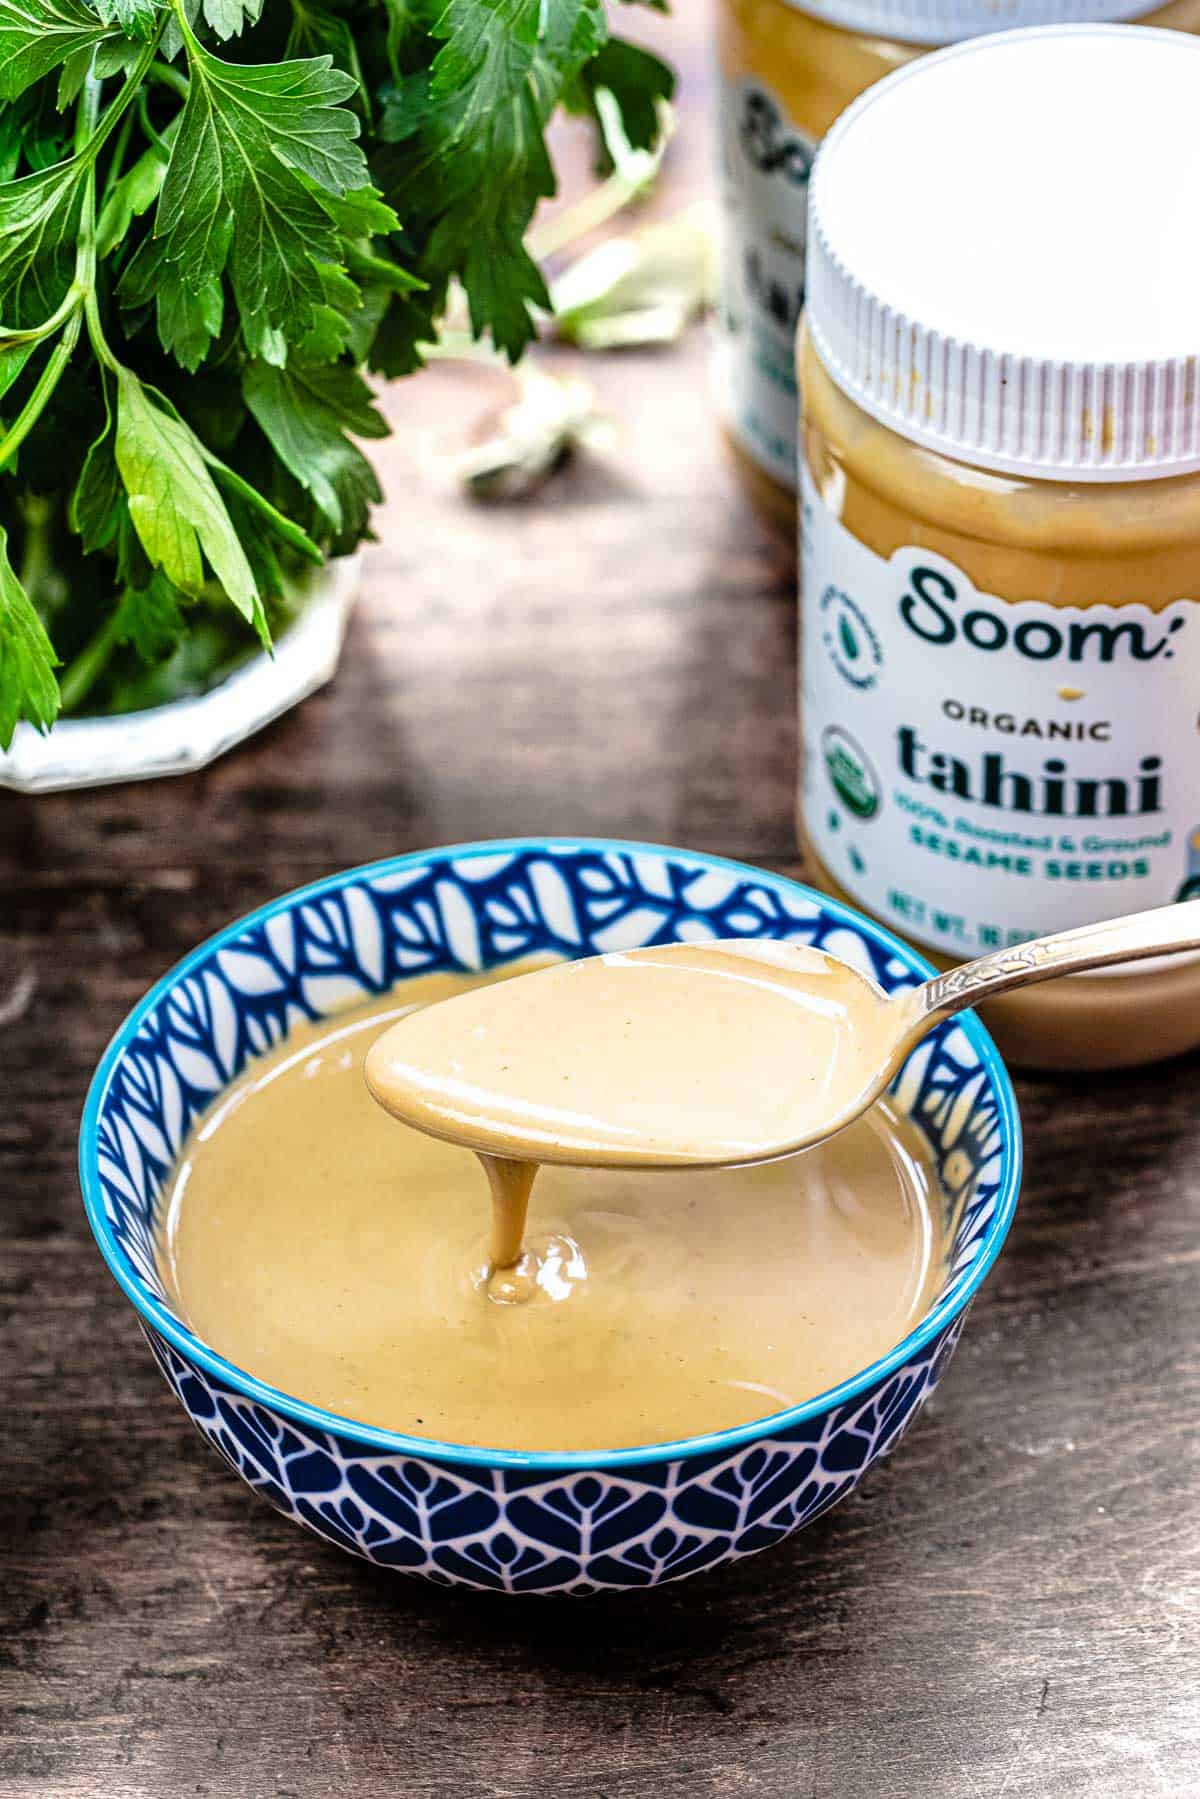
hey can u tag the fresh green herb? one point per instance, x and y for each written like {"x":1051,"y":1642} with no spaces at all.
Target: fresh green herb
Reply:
{"x":214,"y":215}
{"x":31,"y":692}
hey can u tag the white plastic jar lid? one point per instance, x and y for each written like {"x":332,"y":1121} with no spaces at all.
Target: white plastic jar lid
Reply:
{"x":950,"y":21}
{"x":1004,"y":252}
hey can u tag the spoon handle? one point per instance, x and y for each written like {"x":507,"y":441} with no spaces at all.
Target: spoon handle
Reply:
{"x":1161,"y":932}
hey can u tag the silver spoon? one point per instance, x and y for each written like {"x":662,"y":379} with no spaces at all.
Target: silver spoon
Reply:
{"x":699,"y":1055}
{"x":1163,"y":931}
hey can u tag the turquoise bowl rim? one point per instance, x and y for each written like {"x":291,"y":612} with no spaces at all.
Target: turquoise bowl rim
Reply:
{"x":154,"y":1314}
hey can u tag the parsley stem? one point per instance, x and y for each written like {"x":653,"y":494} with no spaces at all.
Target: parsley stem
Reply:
{"x":49,"y":379}
{"x":379,"y":268}
{"x":190,"y":40}
{"x":594,"y":209}
{"x":36,"y":514}
{"x":96,"y":335}
{"x":169,"y":77}
{"x":116,"y":161}
{"x":102,"y":129}
{"x":91,"y":132}
{"x":87,"y":112}
{"x":147,"y":124}
{"x":85,"y":265}
{"x":81,"y":287}
{"x":397,"y":19}
{"x":85,"y":669}
{"x":34,"y":334}
{"x":85,"y":268}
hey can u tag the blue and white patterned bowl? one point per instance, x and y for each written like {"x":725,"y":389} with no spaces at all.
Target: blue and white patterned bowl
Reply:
{"x":572,"y":1523}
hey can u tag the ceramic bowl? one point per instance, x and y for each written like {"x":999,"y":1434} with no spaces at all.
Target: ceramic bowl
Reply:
{"x":569,"y":1523}
{"x":190,"y":733}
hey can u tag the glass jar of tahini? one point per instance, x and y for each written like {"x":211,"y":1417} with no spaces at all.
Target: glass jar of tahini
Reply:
{"x":786,"y":72}
{"x":1000,"y":531}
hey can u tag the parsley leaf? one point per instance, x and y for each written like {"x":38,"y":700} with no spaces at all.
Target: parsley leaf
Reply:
{"x":406,"y":327}
{"x":234,"y":194}
{"x":150,"y":618}
{"x":360,"y":212}
{"x":306,"y":411}
{"x":173,"y":501}
{"x":316,"y":30}
{"x":39,"y":222}
{"x":134,"y":194}
{"x":188,"y":318}
{"x":328,"y":336}
{"x":475,"y":162}
{"x":487,"y":55}
{"x":638,"y":82}
{"x":37,"y":35}
{"x":28,"y":688}
{"x":465,"y":158}
{"x":98,"y":499}
{"x":229,"y":18}
{"x":137,"y":18}
{"x":12,"y":361}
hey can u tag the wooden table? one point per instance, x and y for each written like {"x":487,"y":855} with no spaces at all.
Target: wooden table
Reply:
{"x":1009,"y":1608}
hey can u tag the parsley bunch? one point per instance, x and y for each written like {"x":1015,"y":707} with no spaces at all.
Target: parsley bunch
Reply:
{"x":214,"y":214}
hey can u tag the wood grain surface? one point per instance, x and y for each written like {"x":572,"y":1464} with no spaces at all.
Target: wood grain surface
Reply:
{"x":1009,"y":1608}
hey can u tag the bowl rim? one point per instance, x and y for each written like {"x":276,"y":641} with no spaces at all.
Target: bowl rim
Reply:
{"x":154,"y":1314}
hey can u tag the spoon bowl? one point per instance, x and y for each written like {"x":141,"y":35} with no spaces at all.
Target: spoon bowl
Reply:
{"x":678,"y":1055}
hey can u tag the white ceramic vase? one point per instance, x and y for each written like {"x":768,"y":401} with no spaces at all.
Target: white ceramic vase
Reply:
{"x":189,"y":733}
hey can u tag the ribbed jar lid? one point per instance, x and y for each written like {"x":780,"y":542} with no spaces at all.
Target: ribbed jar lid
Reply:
{"x":950,"y":21}
{"x":1004,"y":252}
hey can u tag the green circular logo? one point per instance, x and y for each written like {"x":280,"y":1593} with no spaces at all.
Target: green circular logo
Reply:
{"x":848,"y":767}
{"x":850,"y":639}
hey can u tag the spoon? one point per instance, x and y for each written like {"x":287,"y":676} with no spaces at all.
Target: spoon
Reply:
{"x":698,"y":1055}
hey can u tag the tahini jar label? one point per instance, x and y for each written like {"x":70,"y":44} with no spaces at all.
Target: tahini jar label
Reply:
{"x":765,"y":163}
{"x":981,"y":770}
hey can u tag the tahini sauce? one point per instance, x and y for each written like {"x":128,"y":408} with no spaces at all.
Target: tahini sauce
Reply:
{"x":345,"y":1258}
